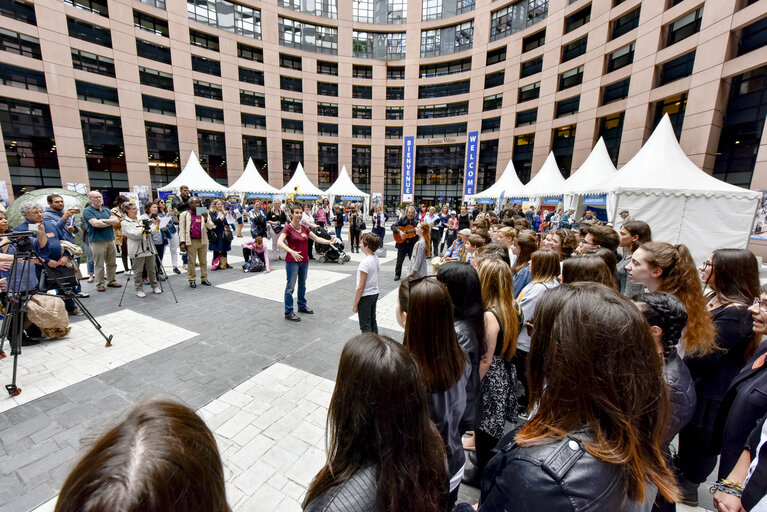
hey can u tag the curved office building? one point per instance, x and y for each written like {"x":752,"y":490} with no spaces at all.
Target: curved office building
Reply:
{"x":116,"y":93}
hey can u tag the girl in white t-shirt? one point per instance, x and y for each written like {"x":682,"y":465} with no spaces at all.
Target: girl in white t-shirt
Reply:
{"x":366,"y":295}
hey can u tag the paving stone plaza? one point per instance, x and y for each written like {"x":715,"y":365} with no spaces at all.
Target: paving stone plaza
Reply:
{"x":261,"y":383}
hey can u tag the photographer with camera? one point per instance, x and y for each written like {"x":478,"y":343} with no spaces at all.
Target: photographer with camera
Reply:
{"x":193,"y":233}
{"x":141,"y":247}
{"x":152,"y":214}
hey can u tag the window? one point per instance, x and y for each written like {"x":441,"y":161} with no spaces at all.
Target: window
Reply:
{"x":516,"y":17}
{"x":288,"y":83}
{"x":362,"y":132}
{"x":149,"y":23}
{"x":531,"y":67}
{"x":254,"y":148}
{"x":290,"y":61}
{"x":620,"y":58}
{"x":20,"y":44}
{"x":104,"y":150}
{"x":534,"y":41}
{"x":291,"y":105}
{"x":205,"y":65}
{"x":611,"y":130}
{"x":306,"y":36}
{"x":203,"y":40}
{"x":676,"y":68}
{"x":22,"y":77}
{"x":577,"y":19}
{"x":525,"y":117}
{"x":252,"y":99}
{"x":568,"y":106}
{"x":209,"y":114}
{"x":443,"y":89}
{"x":213,"y":154}
{"x":395,"y":113}
{"x":379,"y":45}
{"x":445,"y":110}
{"x":327,"y":89}
{"x":93,"y":63}
{"x":327,"y":129}
{"x":251,"y":76}
{"x":571,"y":78}
{"x":364,"y":92}
{"x":616,"y":91}
{"x":225,"y":15}
{"x":563,"y":142}
{"x":155,"y":78}
{"x":255,"y":121}
{"x":157,"y":105}
{"x":327,"y":68}
{"x":574,"y":49}
{"x":327,"y":168}
{"x":437,"y":9}
{"x":393,"y":132}
{"x":162,"y":152}
{"x":674,"y":107}
{"x":523,"y":155}
{"x":685,"y":26}
{"x":327,"y":109}
{"x":361,"y":158}
{"x":626,"y":23}
{"x":395,"y":72}
{"x":362,"y":112}
{"x":17,"y":10}
{"x":250,"y":52}
{"x":447,"y":40}
{"x":496,"y":56}
{"x":325,"y":9}
{"x":362,"y":44}
{"x":445,"y":68}
{"x":95,"y":6}
{"x":492,"y":102}
{"x":153,"y":51}
{"x":96,"y":93}
{"x":752,"y":37}
{"x":292,"y":126}
{"x":529,"y":92}
{"x":292,"y":155}
{"x":491,"y":125}
{"x":441,"y":130}
{"x":395,"y":93}
{"x":362,"y":71}
{"x":494,"y":79}
{"x":207,"y":90}
{"x":392,"y":173}
{"x":160,"y":4}
{"x":90,"y":33}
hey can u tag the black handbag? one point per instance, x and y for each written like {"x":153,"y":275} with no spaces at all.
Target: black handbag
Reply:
{"x":212,"y":236}
{"x":228,"y":235}
{"x":57,"y":278}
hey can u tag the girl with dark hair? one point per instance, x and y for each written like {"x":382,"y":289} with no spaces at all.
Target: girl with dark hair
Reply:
{"x":161,"y":458}
{"x":383,"y":450}
{"x":586,"y":268}
{"x":524,"y":245}
{"x":425,"y":311}
{"x":667,"y":319}
{"x":610,"y":259}
{"x":733,"y":277}
{"x":632,"y":234}
{"x":544,"y":270}
{"x":594,"y":438}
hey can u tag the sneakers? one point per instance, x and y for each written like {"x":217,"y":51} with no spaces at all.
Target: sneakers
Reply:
{"x":140,"y":294}
{"x":158,"y":291}
{"x":689,"y":492}
{"x":176,"y":270}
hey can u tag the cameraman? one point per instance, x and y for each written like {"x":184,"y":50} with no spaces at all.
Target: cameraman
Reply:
{"x":152,"y":214}
{"x":141,"y":248}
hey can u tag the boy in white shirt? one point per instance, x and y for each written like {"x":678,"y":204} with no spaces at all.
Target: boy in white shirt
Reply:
{"x":366,"y":295}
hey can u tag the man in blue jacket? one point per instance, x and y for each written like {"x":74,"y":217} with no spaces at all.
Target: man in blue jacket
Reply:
{"x":63,"y":219}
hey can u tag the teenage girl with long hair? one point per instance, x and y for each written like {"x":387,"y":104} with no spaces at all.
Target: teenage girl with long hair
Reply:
{"x":419,"y":265}
{"x":632,"y":235}
{"x":424,"y":310}
{"x":383,"y":450}
{"x":524,"y":245}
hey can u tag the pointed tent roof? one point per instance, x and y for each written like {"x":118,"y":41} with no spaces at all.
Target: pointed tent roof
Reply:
{"x":252,"y":181}
{"x":194,"y":177}
{"x":300,"y":180}
{"x":596,"y":170}
{"x":344,"y":186}
{"x":508,"y":184}
{"x":548,"y":181}
{"x":662,"y":167}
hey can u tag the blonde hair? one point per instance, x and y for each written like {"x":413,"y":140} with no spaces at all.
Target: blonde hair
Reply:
{"x":497,"y":283}
{"x":426,"y":229}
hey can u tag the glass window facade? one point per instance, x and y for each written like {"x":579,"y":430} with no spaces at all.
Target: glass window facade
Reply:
{"x":322,"y":8}
{"x":205,"y":65}
{"x":516,"y":17}
{"x":23,"y":78}
{"x":96,"y":93}
{"x":213,"y":154}
{"x":209,"y":114}
{"x":327,"y":109}
{"x":153,"y":51}
{"x":245,"y":51}
{"x":252,"y":99}
{"x":685,"y":26}
{"x":392,"y":175}
{"x":674,"y":107}
{"x":616,"y":91}
{"x":225,"y":15}
{"x":445,"y":89}
{"x":626,"y":23}
{"x":379,"y":45}
{"x":307,"y":36}
{"x":144,"y":21}
{"x":611,"y":130}
{"x":562,"y":144}
{"x":487,"y":163}
{"x":447,"y":40}
{"x":439,"y":172}
{"x":19,"y":11}
{"x":382,"y":12}
{"x":255,"y":121}
{"x":578,"y":19}
{"x":445,"y":68}
{"x":327,"y":164}
{"x":255,"y":148}
{"x":620,"y":58}
{"x":93,"y":63}
{"x":522,"y":156}
{"x":163,"y":153}
{"x":444,"y":110}
{"x":574,"y":49}
{"x":292,"y":155}
{"x":155,"y":78}
{"x":20,"y":44}
{"x":361,"y":164}
{"x":157,"y":105}
{"x":104,"y":151}
{"x":676,"y":68}
{"x":88,"y":32}
{"x":251,"y":76}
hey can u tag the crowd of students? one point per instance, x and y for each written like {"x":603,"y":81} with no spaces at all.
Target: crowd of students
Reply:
{"x":567,"y":369}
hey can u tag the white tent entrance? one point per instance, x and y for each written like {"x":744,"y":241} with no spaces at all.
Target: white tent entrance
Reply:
{"x":198,"y":181}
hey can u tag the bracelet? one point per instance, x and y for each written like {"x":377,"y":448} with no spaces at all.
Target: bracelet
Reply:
{"x":728,"y":488}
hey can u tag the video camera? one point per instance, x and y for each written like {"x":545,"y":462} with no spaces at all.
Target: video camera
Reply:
{"x":22,"y":239}
{"x":147,"y":224}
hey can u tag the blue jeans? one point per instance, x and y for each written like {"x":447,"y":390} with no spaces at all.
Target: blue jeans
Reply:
{"x":338,"y":232}
{"x":295,"y":271}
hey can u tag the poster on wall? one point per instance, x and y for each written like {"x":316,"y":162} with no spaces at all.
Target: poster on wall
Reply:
{"x":133,"y":198}
{"x":142,"y":191}
{"x":407,"y":170}
{"x":80,"y":188}
{"x":376,"y":199}
{"x":759,"y":231}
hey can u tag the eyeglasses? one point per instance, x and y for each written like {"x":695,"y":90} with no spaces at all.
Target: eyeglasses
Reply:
{"x":762,"y":304}
{"x":585,"y":242}
{"x":417,"y":280}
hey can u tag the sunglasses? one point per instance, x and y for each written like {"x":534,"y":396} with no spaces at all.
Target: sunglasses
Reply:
{"x":762,"y":304}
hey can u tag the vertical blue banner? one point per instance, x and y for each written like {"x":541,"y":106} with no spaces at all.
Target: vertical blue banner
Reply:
{"x":407,"y":170}
{"x":472,"y":147}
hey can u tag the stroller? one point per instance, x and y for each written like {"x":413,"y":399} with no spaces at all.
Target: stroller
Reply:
{"x":329,"y":253}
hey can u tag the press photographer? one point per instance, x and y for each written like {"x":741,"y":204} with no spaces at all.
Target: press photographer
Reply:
{"x":141,"y":247}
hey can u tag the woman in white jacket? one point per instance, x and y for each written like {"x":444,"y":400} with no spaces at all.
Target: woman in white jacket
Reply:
{"x":141,"y":249}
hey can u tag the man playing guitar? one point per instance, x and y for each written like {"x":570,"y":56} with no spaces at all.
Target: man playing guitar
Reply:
{"x":404,"y":234}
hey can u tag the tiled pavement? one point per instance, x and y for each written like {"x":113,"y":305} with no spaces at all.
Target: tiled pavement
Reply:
{"x":262,"y":384}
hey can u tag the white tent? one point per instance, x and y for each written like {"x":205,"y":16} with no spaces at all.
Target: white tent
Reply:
{"x":345,"y":188}
{"x":251,"y":182}
{"x":300,"y":180}
{"x":594,"y":172}
{"x":680,"y":202}
{"x":547,"y":183}
{"x":508,"y":185}
{"x":194,"y":177}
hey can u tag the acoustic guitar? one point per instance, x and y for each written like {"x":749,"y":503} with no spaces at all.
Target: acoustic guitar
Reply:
{"x":403,"y":233}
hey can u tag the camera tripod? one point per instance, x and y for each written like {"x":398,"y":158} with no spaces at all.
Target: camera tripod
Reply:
{"x":159,"y":269}
{"x":12,"y":327}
